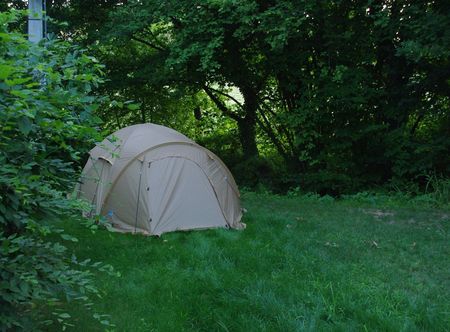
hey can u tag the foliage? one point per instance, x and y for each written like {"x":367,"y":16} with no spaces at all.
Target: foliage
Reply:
{"x":348,"y":95}
{"x":46,"y":124}
{"x":438,"y":189}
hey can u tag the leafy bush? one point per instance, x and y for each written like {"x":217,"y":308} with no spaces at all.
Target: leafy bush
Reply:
{"x":46,"y":123}
{"x":438,"y":188}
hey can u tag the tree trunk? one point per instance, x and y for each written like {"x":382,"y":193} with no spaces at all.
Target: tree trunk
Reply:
{"x":143,"y":117}
{"x":247,"y":125}
{"x":247,"y":137}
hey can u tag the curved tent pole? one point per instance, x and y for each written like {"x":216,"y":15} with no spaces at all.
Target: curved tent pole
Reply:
{"x":113,"y":183}
{"x":215,"y":158}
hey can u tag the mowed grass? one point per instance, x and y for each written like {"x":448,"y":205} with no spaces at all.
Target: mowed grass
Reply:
{"x":302,"y":264}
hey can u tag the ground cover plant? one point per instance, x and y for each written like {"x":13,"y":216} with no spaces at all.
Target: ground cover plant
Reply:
{"x":303,"y":263}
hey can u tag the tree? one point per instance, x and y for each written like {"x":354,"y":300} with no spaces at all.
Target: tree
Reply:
{"x":209,"y":46}
{"x":349,"y":94}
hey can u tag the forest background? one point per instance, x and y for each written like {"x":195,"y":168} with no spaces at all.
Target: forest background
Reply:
{"x":332,"y":97}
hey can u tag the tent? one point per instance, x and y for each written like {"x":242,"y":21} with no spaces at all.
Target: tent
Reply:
{"x":151,"y":179}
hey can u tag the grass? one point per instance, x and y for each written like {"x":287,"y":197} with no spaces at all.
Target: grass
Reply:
{"x":302,"y":264}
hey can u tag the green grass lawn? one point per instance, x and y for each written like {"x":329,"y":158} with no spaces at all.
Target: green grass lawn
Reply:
{"x":302,"y":264}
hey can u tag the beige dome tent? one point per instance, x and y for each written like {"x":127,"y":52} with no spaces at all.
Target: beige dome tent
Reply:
{"x":151,"y":179}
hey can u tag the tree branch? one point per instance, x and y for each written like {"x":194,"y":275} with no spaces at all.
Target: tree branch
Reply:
{"x":280,"y":128}
{"x":160,"y":44}
{"x":265,"y":125}
{"x":416,"y":124}
{"x":220,"y":105}
{"x":156,"y":47}
{"x":228,"y":96}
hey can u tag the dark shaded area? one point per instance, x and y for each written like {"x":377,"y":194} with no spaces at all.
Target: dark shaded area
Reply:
{"x":335,"y":97}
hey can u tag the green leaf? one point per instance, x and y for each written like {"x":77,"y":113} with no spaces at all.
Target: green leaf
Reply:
{"x":69,"y":238}
{"x":19,"y":93}
{"x":17,"y":81}
{"x":25,"y":125}
{"x":5,"y":71}
{"x":133,"y":107}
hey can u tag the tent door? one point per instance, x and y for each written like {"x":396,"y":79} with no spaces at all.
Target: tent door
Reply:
{"x":180,"y":197}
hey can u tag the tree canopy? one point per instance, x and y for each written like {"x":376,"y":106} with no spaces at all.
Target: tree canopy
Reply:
{"x":337,"y":95}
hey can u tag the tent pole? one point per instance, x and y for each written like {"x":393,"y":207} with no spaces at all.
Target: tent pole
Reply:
{"x":138,"y":198}
{"x":96,"y":189}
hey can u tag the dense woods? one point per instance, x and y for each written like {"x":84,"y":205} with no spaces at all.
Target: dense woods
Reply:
{"x":332,"y":97}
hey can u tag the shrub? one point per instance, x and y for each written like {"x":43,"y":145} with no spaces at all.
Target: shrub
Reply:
{"x":46,"y":123}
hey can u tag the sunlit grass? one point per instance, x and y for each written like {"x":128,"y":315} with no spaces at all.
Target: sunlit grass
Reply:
{"x":302,"y":264}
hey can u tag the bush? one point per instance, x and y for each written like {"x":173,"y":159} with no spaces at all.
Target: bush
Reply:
{"x":46,"y":123}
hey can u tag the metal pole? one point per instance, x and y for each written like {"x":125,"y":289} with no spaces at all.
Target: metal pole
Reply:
{"x":36,"y":24}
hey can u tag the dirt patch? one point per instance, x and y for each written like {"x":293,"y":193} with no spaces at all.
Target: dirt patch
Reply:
{"x":379,"y":214}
